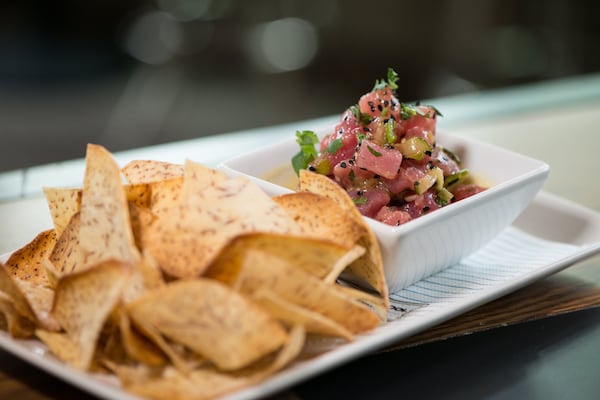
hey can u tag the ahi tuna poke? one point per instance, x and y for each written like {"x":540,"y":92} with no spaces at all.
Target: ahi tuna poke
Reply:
{"x":384,"y":153}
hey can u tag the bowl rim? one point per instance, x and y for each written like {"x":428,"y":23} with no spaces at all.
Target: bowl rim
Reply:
{"x":540,"y":171}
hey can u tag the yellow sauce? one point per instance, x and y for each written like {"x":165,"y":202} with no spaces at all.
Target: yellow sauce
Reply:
{"x":282,"y":175}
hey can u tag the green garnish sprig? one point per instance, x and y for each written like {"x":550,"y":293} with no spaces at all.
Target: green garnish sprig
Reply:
{"x":391,"y":82}
{"x":307,"y":154}
{"x":408,"y":110}
{"x":363,"y":118}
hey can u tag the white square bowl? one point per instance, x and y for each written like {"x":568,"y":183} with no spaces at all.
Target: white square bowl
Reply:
{"x":437,"y":240}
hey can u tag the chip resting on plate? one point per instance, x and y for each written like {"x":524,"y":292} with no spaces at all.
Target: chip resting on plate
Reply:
{"x":369,"y":267}
{"x":182,"y":281}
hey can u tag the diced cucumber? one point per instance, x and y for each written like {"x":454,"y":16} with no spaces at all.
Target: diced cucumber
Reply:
{"x":444,"y":196}
{"x":435,"y":176}
{"x":390,"y":132}
{"x":457,"y":177}
{"x":438,"y":174}
{"x":323,"y":166}
{"x":414,"y":148}
{"x":451,"y":154}
{"x":424,"y":184}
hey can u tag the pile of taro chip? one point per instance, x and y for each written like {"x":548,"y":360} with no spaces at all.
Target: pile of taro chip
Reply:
{"x":186,"y":283}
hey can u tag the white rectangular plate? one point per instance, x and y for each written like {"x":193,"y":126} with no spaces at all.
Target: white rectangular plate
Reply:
{"x":552,"y":234}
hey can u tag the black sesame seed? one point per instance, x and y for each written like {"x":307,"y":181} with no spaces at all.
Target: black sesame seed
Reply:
{"x":343,"y":164}
{"x":380,"y":107}
{"x":312,"y":168}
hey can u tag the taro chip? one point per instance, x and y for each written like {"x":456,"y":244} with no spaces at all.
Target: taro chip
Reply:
{"x":265,"y":271}
{"x":40,"y":299}
{"x":105,"y":232}
{"x":342,"y":263}
{"x":186,"y":239}
{"x":320,"y":184}
{"x":170,"y":383}
{"x":139,"y":199}
{"x":145,"y":276}
{"x":137,"y":346}
{"x":61,"y":345}
{"x":206,"y":382}
{"x":139,"y":194}
{"x":66,"y":254}
{"x":368,"y":268}
{"x":373,"y":301}
{"x":27,"y":263}
{"x":212,"y":320}
{"x":165,"y":195}
{"x":321,"y":217}
{"x":320,"y":258}
{"x":11,"y":290}
{"x":63,"y":203}
{"x":198,"y":177}
{"x":83,"y":303}
{"x":292,"y":314}
{"x":111,"y":344}
{"x":148,"y":171}
{"x":14,"y":323}
{"x":23,"y":281}
{"x":52,"y":273}
{"x":150,"y":272}
{"x":183,"y":360}
{"x":140,"y":220}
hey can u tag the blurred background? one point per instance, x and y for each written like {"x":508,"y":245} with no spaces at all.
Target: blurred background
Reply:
{"x":135,"y":73}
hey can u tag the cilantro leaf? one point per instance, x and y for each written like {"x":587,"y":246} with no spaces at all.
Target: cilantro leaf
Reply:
{"x":408,"y":110}
{"x":351,"y":176}
{"x":307,"y":138}
{"x":373,"y":151}
{"x":334,"y":146}
{"x":391,"y":82}
{"x":392,"y":78}
{"x":307,"y":153}
{"x":363,"y":118}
